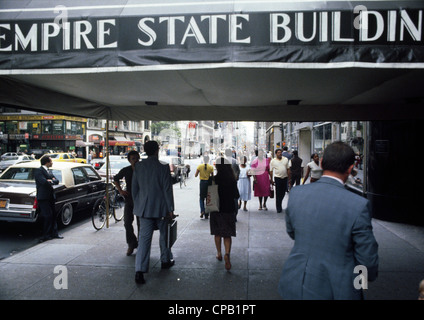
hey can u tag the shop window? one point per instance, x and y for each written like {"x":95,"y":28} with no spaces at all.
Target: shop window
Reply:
{"x":47,"y":127}
{"x":12,"y":127}
{"x":57,"y":127}
{"x":34,"y":127}
{"x":322,"y":137}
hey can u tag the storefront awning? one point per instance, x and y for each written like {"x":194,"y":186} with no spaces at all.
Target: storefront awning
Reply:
{"x":80,"y":144}
{"x":112,"y":143}
{"x":223,"y":60}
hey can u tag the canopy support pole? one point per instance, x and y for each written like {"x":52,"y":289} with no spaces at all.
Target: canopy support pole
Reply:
{"x":107,"y":172}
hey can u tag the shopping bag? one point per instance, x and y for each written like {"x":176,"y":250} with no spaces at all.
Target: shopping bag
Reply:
{"x":212,"y":199}
{"x":271,"y":192}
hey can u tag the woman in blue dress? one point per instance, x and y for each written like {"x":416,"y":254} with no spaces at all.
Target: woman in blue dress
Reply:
{"x":243,"y":184}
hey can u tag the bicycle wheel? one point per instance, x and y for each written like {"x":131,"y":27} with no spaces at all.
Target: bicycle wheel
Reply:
{"x":182,"y":181}
{"x":98,"y":215}
{"x":118,"y":207}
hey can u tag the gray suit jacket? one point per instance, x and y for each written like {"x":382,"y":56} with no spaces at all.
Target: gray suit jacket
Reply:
{"x":152,"y":189}
{"x":332,"y":230}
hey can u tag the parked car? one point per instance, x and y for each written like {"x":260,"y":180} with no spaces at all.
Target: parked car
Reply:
{"x":66,"y":157}
{"x":7,"y":162}
{"x":78,"y":189}
{"x":9,"y":155}
{"x":97,"y":163}
{"x":114,"y":166}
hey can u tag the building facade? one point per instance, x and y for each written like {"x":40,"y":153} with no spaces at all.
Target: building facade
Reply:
{"x":39,"y":133}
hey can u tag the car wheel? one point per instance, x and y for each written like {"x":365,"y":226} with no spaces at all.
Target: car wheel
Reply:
{"x":66,"y":214}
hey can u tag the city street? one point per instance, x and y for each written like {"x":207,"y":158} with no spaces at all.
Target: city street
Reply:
{"x":97,"y":267}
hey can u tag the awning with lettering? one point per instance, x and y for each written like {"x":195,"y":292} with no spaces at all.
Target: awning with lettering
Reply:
{"x":215,"y":59}
{"x":121,"y":143}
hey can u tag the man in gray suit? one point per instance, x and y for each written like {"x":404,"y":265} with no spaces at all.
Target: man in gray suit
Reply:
{"x":153,"y":204}
{"x":333,"y":236}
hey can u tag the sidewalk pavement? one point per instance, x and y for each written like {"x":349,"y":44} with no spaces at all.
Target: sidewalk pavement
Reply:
{"x":97,"y":266}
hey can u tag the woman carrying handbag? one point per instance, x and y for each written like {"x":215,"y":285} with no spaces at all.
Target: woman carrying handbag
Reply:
{"x":223,"y":222}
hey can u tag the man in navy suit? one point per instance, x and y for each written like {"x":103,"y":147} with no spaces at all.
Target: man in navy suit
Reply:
{"x":44,"y":181}
{"x":333,"y":235}
{"x":153,"y":197}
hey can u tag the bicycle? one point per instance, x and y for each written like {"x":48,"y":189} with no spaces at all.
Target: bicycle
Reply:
{"x":116,"y":209}
{"x":182,"y":176}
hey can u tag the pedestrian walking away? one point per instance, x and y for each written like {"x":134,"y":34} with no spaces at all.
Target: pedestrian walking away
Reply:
{"x":231,"y":157}
{"x":223,"y":223}
{"x":205,"y":172}
{"x":332,"y":235}
{"x":286,"y":153}
{"x":127,"y":174}
{"x":295,"y":169}
{"x":153,"y":203}
{"x":243,"y":184}
{"x":279,"y":170}
{"x":261,"y":179}
{"x":46,"y":197}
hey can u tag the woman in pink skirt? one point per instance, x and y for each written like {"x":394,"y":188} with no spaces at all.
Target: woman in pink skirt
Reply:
{"x":261,"y":179}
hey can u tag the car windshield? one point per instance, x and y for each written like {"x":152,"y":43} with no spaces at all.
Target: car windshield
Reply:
{"x":26,"y":174}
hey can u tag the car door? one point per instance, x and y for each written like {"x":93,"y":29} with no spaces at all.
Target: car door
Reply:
{"x":81,"y":187}
{"x":96,"y":186}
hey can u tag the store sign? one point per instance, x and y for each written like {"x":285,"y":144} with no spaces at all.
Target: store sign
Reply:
{"x":13,"y":136}
{"x":56,"y":137}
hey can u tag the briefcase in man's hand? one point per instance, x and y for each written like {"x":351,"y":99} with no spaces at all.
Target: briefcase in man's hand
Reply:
{"x":171,"y":234}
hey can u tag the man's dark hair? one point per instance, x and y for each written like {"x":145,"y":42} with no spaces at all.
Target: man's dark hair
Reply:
{"x":285,"y":148}
{"x":338,"y":157}
{"x":133,"y":153}
{"x":278,"y":150}
{"x":44,"y":160}
{"x":150,"y":147}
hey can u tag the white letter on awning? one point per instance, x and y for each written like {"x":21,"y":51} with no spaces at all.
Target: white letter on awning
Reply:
{"x":275,"y":26}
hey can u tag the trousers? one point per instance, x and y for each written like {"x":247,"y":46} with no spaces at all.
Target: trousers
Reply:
{"x":147,"y":227}
{"x":128,"y":223}
{"x":48,"y":215}
{"x":280,"y":192}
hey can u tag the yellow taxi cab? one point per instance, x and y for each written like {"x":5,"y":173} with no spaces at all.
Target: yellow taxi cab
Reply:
{"x":66,"y":157}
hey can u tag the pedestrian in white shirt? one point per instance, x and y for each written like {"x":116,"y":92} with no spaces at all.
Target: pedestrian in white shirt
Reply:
{"x":279,"y":170}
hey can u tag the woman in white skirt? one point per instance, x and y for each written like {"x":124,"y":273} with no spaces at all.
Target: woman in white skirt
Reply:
{"x":243,"y":184}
